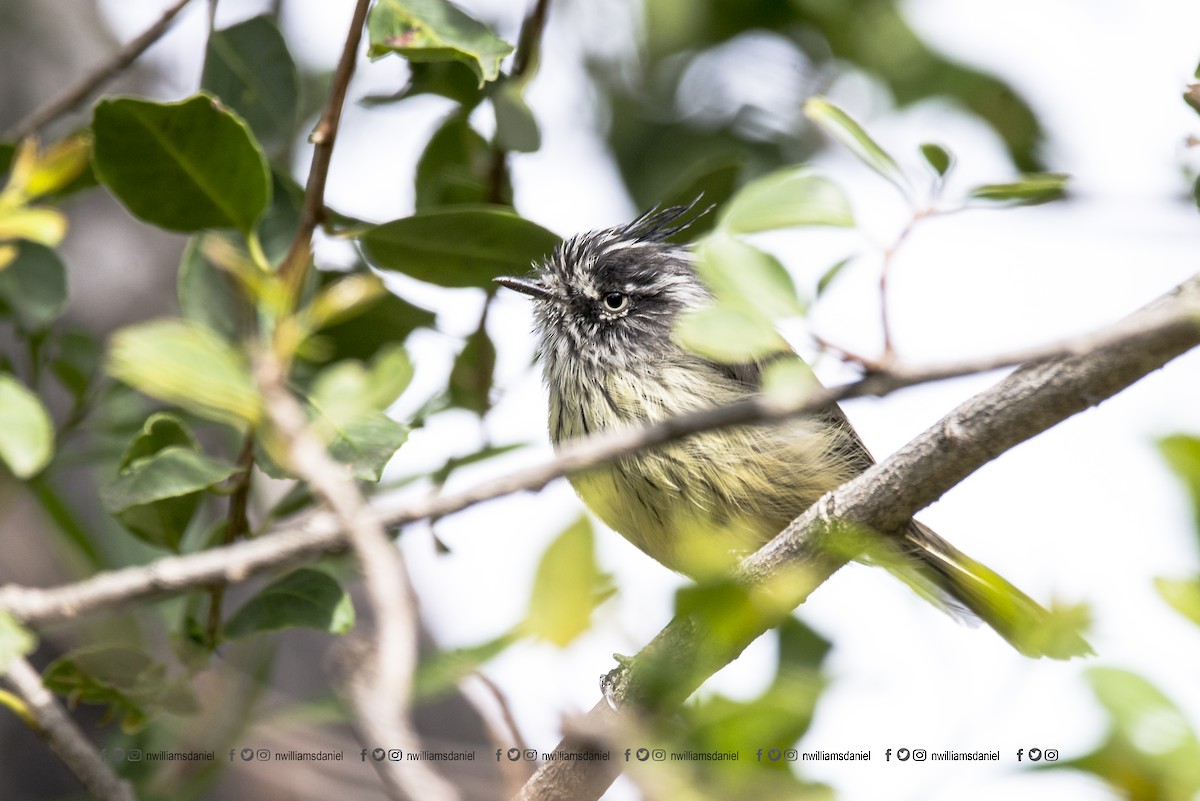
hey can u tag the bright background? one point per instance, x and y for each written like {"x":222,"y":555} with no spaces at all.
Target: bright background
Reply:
{"x":1084,"y":513}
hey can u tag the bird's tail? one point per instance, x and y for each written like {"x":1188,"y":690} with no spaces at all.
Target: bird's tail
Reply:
{"x":959,"y":582}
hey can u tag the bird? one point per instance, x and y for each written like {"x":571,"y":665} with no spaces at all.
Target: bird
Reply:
{"x":605,"y":306}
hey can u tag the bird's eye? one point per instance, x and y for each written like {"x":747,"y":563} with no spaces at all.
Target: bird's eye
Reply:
{"x":616,"y":302}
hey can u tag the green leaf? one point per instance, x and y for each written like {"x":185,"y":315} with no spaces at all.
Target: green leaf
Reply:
{"x":516,"y":129}
{"x":844,"y":128}
{"x":384,"y":321}
{"x":454,"y":167}
{"x":33,"y":287}
{"x":1182,"y":594}
{"x":210,"y":296}
{"x":565,"y":587}
{"x":182,"y":166}
{"x":188,"y":365}
{"x":441,"y":672}
{"x":77,"y":363}
{"x":434,"y":30}
{"x":26,"y":431}
{"x":458,"y":247}
{"x":743,"y":276}
{"x":1182,"y":453}
{"x":156,"y":496}
{"x":368,"y":443}
{"x":1191,"y":95}
{"x":304,"y":598}
{"x":249,"y":68}
{"x":160,"y":431}
{"x":1028,"y":190}
{"x":937,"y":157}
{"x":15,"y":640}
{"x":127,"y":680}
{"x":728,"y":334}
{"x":789,"y":197}
{"x":828,"y":277}
{"x":471,"y":376}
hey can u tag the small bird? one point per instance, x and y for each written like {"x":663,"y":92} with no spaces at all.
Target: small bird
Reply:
{"x":605,"y":304}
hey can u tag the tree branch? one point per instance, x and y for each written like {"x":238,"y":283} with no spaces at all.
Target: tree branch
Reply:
{"x":1032,"y":399}
{"x":55,"y":726}
{"x":295,"y":264}
{"x":381,"y":683}
{"x":1129,"y":349}
{"x":88,"y":84}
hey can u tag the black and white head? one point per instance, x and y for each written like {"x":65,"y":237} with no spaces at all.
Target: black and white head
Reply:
{"x":608,"y":299}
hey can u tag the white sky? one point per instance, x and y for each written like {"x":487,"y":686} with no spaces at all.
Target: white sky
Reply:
{"x":1086,"y":512}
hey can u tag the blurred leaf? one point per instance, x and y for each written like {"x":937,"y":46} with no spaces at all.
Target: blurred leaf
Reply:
{"x":26,"y":430}
{"x":15,"y":640}
{"x":210,"y":296}
{"x":728,"y":335}
{"x":1028,"y":190}
{"x":516,"y":129}
{"x":304,"y":598}
{"x":845,"y":129}
{"x":454,"y":167}
{"x":188,"y":365}
{"x":829,"y":275}
{"x":471,"y":376}
{"x":77,"y":363}
{"x":1151,"y":751}
{"x":1191,"y":95}
{"x":1182,"y":453}
{"x":161,"y":430}
{"x":127,"y":680}
{"x":937,"y":157}
{"x":565,"y":587}
{"x":452,"y":79}
{"x":1182,"y":594}
{"x":156,"y":496}
{"x":458,"y":247}
{"x":789,"y":197}
{"x":249,"y":68}
{"x":33,"y":224}
{"x":182,"y":166}
{"x":711,"y":183}
{"x":61,"y":167}
{"x":343,"y":299}
{"x":788,"y":378}
{"x":441,"y":671}
{"x":442,"y":474}
{"x":368,"y":443}
{"x":743,"y":276}
{"x":386,"y":320}
{"x":33,"y":287}
{"x":434,"y":30}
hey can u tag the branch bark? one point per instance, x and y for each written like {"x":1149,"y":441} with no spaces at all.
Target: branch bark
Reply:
{"x":55,"y":726}
{"x":1124,"y":352}
{"x":82,"y":89}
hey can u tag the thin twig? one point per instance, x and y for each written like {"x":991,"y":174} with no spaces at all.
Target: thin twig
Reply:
{"x":525,"y":61}
{"x":88,"y":84}
{"x":382,"y":683}
{"x":889,"y":254}
{"x":295,"y":265}
{"x":237,"y":525}
{"x":1161,"y":331}
{"x":55,"y":726}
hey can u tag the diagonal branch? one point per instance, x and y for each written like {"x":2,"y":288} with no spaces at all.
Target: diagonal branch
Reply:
{"x":82,"y":89}
{"x":1121,"y":353}
{"x":55,"y":726}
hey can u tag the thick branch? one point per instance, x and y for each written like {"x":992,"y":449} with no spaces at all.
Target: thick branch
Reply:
{"x":1124,"y":352}
{"x":55,"y":726}
{"x":88,"y":84}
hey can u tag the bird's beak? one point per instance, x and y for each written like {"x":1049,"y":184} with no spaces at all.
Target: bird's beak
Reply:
{"x":525,"y":286}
